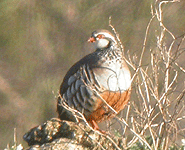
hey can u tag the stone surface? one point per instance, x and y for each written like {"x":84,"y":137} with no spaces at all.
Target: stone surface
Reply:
{"x":57,"y":134}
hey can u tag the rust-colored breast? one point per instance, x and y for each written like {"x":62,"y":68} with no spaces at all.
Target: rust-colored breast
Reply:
{"x":117,"y":100}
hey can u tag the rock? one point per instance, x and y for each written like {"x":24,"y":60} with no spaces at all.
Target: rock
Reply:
{"x":57,"y":134}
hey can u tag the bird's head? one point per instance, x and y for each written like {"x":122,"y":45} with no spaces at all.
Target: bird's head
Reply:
{"x":102,"y":39}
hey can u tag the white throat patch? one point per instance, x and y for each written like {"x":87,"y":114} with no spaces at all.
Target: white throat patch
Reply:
{"x":101,"y":43}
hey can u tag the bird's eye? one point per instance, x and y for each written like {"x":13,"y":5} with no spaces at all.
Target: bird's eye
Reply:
{"x":100,"y":36}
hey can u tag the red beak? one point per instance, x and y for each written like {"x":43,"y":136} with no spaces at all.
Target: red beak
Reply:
{"x":91,"y":39}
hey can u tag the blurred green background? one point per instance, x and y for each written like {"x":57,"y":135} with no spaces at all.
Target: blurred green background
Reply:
{"x":40,"y":40}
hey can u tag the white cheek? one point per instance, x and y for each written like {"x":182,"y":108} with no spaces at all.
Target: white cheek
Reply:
{"x":101,"y":43}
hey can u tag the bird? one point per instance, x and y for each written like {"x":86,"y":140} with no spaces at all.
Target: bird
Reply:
{"x":99,"y":84}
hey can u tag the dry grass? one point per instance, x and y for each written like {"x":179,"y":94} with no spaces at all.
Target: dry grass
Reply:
{"x":159,"y":109}
{"x":155,"y":116}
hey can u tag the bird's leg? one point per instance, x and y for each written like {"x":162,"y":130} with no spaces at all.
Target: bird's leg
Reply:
{"x":96,"y":127}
